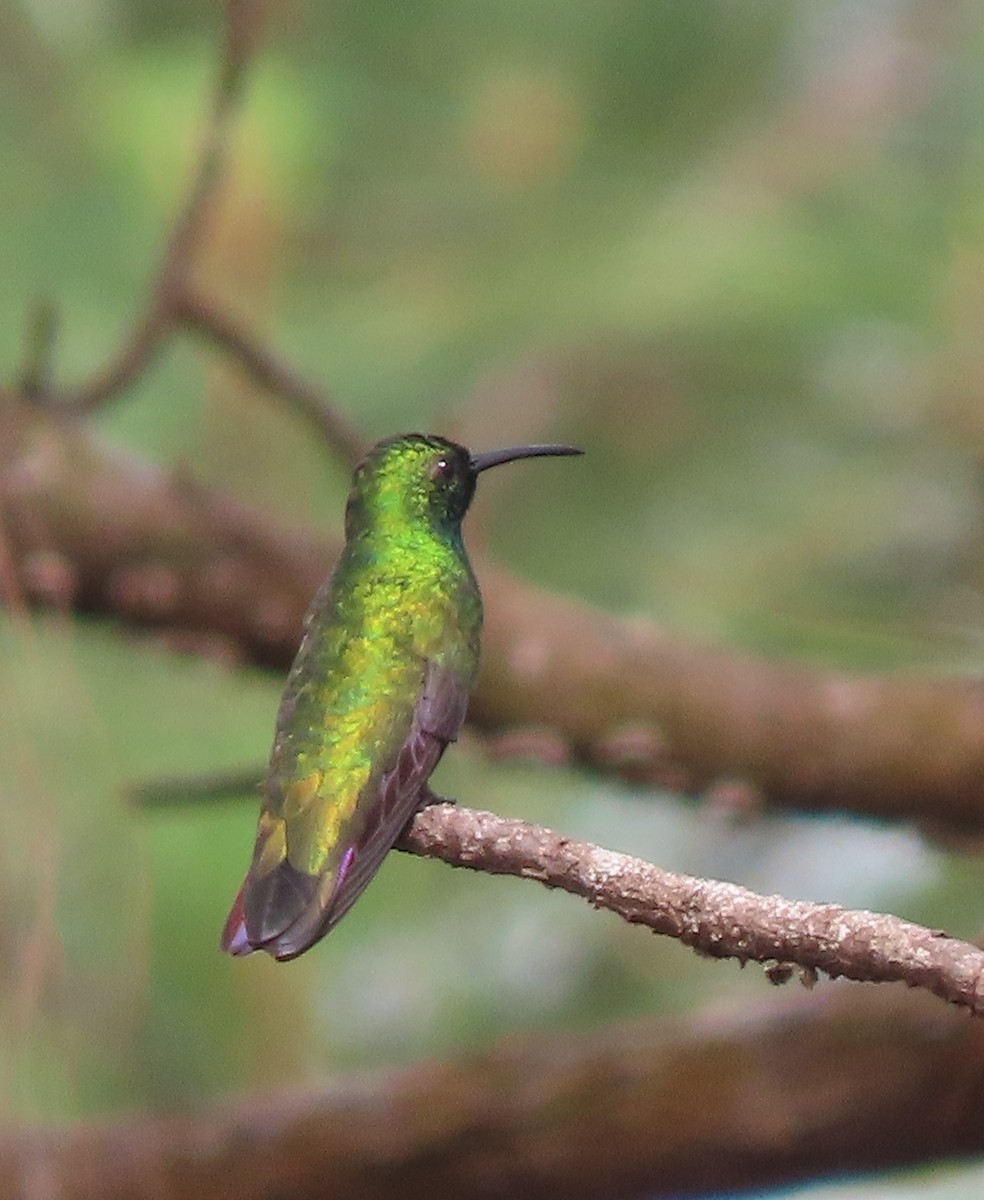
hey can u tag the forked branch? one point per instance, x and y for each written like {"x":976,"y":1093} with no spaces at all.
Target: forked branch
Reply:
{"x":207,"y":320}
{"x":154,"y":324}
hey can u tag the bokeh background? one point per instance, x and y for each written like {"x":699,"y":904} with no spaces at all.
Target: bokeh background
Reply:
{"x":736,"y":251}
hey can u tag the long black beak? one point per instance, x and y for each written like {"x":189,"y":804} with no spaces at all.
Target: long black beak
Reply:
{"x":492,"y":458}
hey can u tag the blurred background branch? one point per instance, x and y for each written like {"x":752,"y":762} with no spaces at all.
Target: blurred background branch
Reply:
{"x":649,"y":1109}
{"x":191,"y":228}
{"x":204,"y":319}
{"x":100,"y":530}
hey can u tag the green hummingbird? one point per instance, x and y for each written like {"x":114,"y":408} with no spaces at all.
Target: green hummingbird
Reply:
{"x":378,"y":689}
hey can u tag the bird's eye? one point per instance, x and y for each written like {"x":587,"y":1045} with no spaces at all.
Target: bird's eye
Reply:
{"x":441,"y":469}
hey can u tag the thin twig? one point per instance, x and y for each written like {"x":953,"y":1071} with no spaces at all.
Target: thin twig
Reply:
{"x":174,"y":300}
{"x":180,"y":790}
{"x":204,"y":318}
{"x":720,"y":920}
{"x":42,"y":328}
{"x":148,"y":334}
{"x":239,"y":43}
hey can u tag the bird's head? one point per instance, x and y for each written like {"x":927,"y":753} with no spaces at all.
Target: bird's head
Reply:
{"x":421,"y":477}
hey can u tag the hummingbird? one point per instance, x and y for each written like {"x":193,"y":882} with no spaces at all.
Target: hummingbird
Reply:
{"x":378,"y":689}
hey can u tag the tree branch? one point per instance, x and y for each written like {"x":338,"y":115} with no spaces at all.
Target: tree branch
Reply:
{"x":720,"y":920}
{"x":626,"y":697}
{"x":817,"y":1085}
{"x":94,"y":528}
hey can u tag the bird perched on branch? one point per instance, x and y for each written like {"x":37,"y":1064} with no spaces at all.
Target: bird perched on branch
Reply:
{"x":378,"y":689}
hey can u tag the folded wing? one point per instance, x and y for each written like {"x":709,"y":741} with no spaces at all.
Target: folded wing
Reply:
{"x":286,"y":910}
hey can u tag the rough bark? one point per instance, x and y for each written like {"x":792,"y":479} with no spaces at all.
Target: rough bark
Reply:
{"x":719,"y":920}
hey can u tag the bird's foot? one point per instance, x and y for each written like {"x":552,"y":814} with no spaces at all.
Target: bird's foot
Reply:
{"x":428,"y":797}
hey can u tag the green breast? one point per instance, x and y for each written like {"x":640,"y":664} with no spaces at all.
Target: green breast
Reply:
{"x":350,"y":697}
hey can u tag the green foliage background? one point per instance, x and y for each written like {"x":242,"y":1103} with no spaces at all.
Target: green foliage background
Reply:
{"x":735,"y":250}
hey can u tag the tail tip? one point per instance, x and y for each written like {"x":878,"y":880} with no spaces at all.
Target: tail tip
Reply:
{"x":235,"y":940}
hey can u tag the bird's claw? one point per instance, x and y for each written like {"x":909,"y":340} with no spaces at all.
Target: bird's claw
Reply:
{"x":428,"y":797}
